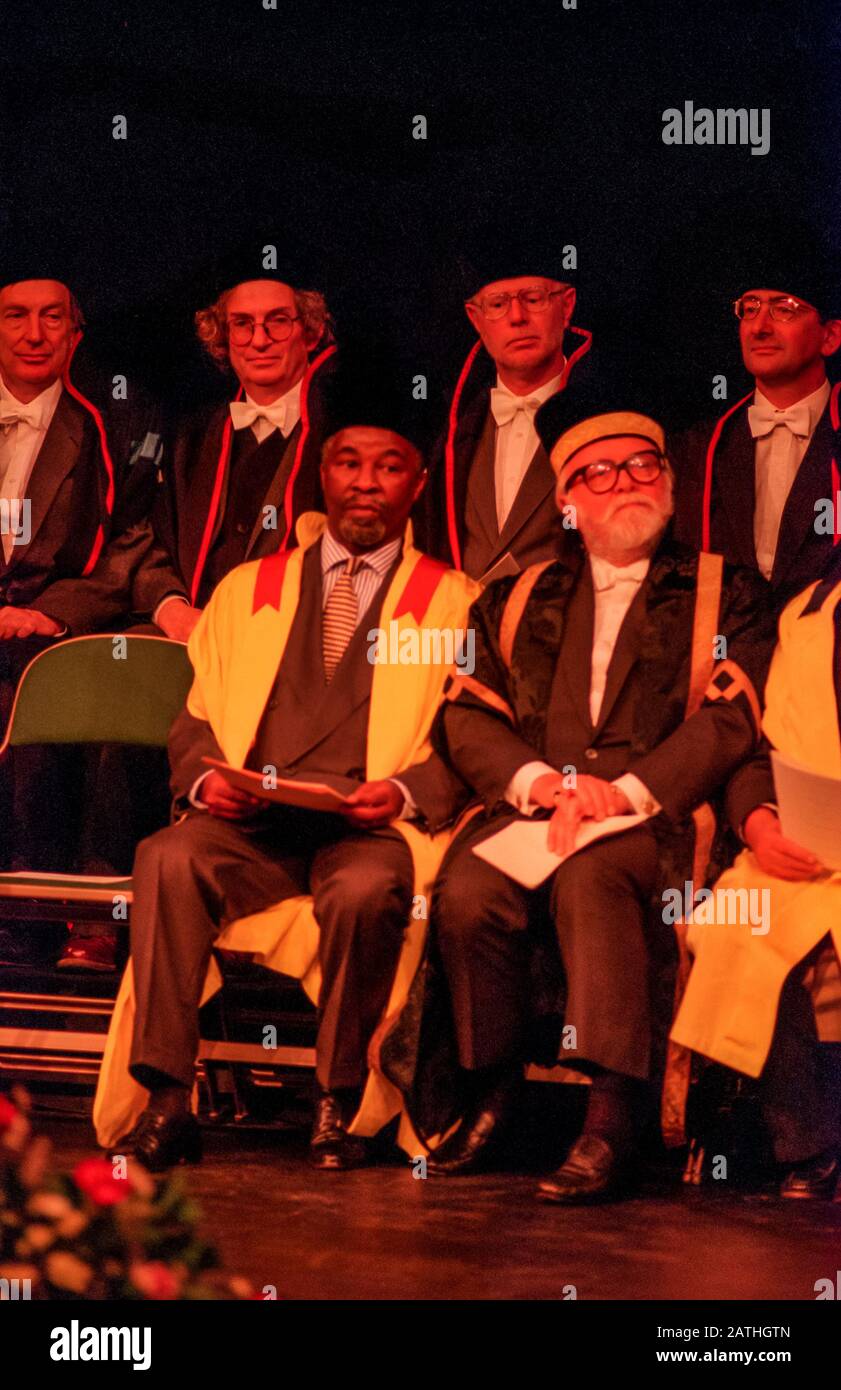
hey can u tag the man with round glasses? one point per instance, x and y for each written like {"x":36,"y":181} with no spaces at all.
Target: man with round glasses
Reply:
{"x":490,"y":508}
{"x":597,"y":692}
{"x":760,"y":484}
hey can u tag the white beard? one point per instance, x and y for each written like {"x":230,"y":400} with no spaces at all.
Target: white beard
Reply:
{"x":628,"y":531}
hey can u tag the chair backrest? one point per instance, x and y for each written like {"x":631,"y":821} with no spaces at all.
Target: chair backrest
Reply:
{"x":112,"y":689}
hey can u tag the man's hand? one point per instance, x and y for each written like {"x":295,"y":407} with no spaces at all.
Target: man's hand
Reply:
{"x":590,"y":799}
{"x":176,"y":619}
{"x":774,"y":853}
{"x":27,"y":622}
{"x":225,"y":801}
{"x":374,"y":804}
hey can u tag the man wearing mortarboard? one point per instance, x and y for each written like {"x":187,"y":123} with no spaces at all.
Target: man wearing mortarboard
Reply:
{"x":761,"y":483}
{"x":599,"y":690}
{"x":292,"y":681}
{"x":490,"y":506}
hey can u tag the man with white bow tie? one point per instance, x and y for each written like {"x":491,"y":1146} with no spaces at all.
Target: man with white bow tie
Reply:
{"x":490,"y":509}
{"x":243,"y":473}
{"x":762,"y":484}
{"x":596,"y":693}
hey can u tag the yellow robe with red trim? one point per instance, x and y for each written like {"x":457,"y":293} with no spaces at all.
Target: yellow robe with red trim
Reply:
{"x":235,"y":654}
{"x":729,"y":1009}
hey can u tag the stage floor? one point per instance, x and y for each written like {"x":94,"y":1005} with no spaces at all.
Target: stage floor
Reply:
{"x":379,"y":1233}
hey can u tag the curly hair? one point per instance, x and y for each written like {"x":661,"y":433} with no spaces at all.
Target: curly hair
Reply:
{"x":212,"y":324}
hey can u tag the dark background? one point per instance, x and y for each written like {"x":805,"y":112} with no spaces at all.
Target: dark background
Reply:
{"x":294,"y":127}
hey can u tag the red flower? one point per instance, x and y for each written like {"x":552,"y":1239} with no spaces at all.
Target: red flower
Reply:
{"x":95,"y":1176}
{"x":8,"y":1113}
{"x":156,"y":1280}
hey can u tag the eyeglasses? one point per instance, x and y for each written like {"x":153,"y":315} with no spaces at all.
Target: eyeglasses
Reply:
{"x":602,"y":475}
{"x":496,"y":306}
{"x":782,"y":309}
{"x":278,"y":327}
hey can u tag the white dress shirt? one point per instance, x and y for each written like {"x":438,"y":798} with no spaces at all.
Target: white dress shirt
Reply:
{"x":516,"y":439}
{"x":782,"y":438}
{"x":614,"y":590}
{"x":20,"y":441}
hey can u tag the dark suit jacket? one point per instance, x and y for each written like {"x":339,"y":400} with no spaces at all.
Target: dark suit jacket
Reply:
{"x":802,"y":553}
{"x":532,"y":530}
{"x":682,"y":761}
{"x":67,"y":494}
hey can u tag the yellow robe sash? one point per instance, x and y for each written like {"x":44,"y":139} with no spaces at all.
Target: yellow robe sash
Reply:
{"x":729,"y":1009}
{"x":236,"y":649}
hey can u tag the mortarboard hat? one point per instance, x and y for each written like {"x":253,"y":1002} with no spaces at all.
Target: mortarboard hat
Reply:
{"x":371,"y":387}
{"x":789,"y":256}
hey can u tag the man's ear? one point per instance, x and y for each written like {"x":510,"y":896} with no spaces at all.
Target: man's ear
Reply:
{"x":421,"y":484}
{"x":831,"y":337}
{"x":570,"y":297}
{"x":475,"y":316}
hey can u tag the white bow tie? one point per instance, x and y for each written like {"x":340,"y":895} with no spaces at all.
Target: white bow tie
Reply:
{"x":504,"y":406}
{"x":763,"y":419}
{"x":19,"y":415}
{"x":243,"y":414}
{"x":606,"y":576}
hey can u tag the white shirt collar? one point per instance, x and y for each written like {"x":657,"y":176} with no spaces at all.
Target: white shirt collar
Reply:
{"x":291,"y":399}
{"x":606,"y":575}
{"x":42,"y":407}
{"x":815,"y":402}
{"x":541,"y":393}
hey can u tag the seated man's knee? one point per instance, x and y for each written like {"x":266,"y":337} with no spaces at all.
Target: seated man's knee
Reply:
{"x":364,"y":887}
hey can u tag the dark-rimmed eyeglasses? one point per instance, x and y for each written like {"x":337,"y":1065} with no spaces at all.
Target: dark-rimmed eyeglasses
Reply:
{"x":782,"y":308}
{"x":496,"y":306}
{"x":602,"y":475}
{"x":278,"y":327}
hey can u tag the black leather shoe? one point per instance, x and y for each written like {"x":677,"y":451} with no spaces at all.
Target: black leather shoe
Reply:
{"x":473,"y":1146}
{"x":330,"y":1144}
{"x":817,"y":1178}
{"x":592,"y":1172}
{"x":160,"y":1141}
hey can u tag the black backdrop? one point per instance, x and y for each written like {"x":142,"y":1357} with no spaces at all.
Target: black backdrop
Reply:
{"x":294,"y":126}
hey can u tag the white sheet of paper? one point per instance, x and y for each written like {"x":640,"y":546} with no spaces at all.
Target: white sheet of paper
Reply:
{"x":312,"y":796}
{"x":520,"y":849}
{"x":810,"y":808}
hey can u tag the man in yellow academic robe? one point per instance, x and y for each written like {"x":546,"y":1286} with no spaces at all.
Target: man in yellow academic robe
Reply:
{"x":322,"y":664}
{"x":763,"y":993}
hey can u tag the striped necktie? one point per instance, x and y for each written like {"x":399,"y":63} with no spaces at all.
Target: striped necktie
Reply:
{"x":340,"y":617}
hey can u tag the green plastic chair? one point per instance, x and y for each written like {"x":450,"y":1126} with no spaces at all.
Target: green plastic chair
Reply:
{"x":103,"y":689}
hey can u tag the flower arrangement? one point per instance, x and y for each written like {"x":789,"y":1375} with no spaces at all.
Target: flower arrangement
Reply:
{"x":106,"y":1230}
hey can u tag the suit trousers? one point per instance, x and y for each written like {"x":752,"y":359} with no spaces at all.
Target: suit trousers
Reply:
{"x":599,"y":903}
{"x":194,"y":877}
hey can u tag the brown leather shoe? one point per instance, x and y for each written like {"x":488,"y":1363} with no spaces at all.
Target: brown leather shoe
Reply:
{"x":90,"y":952}
{"x":592,"y":1172}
